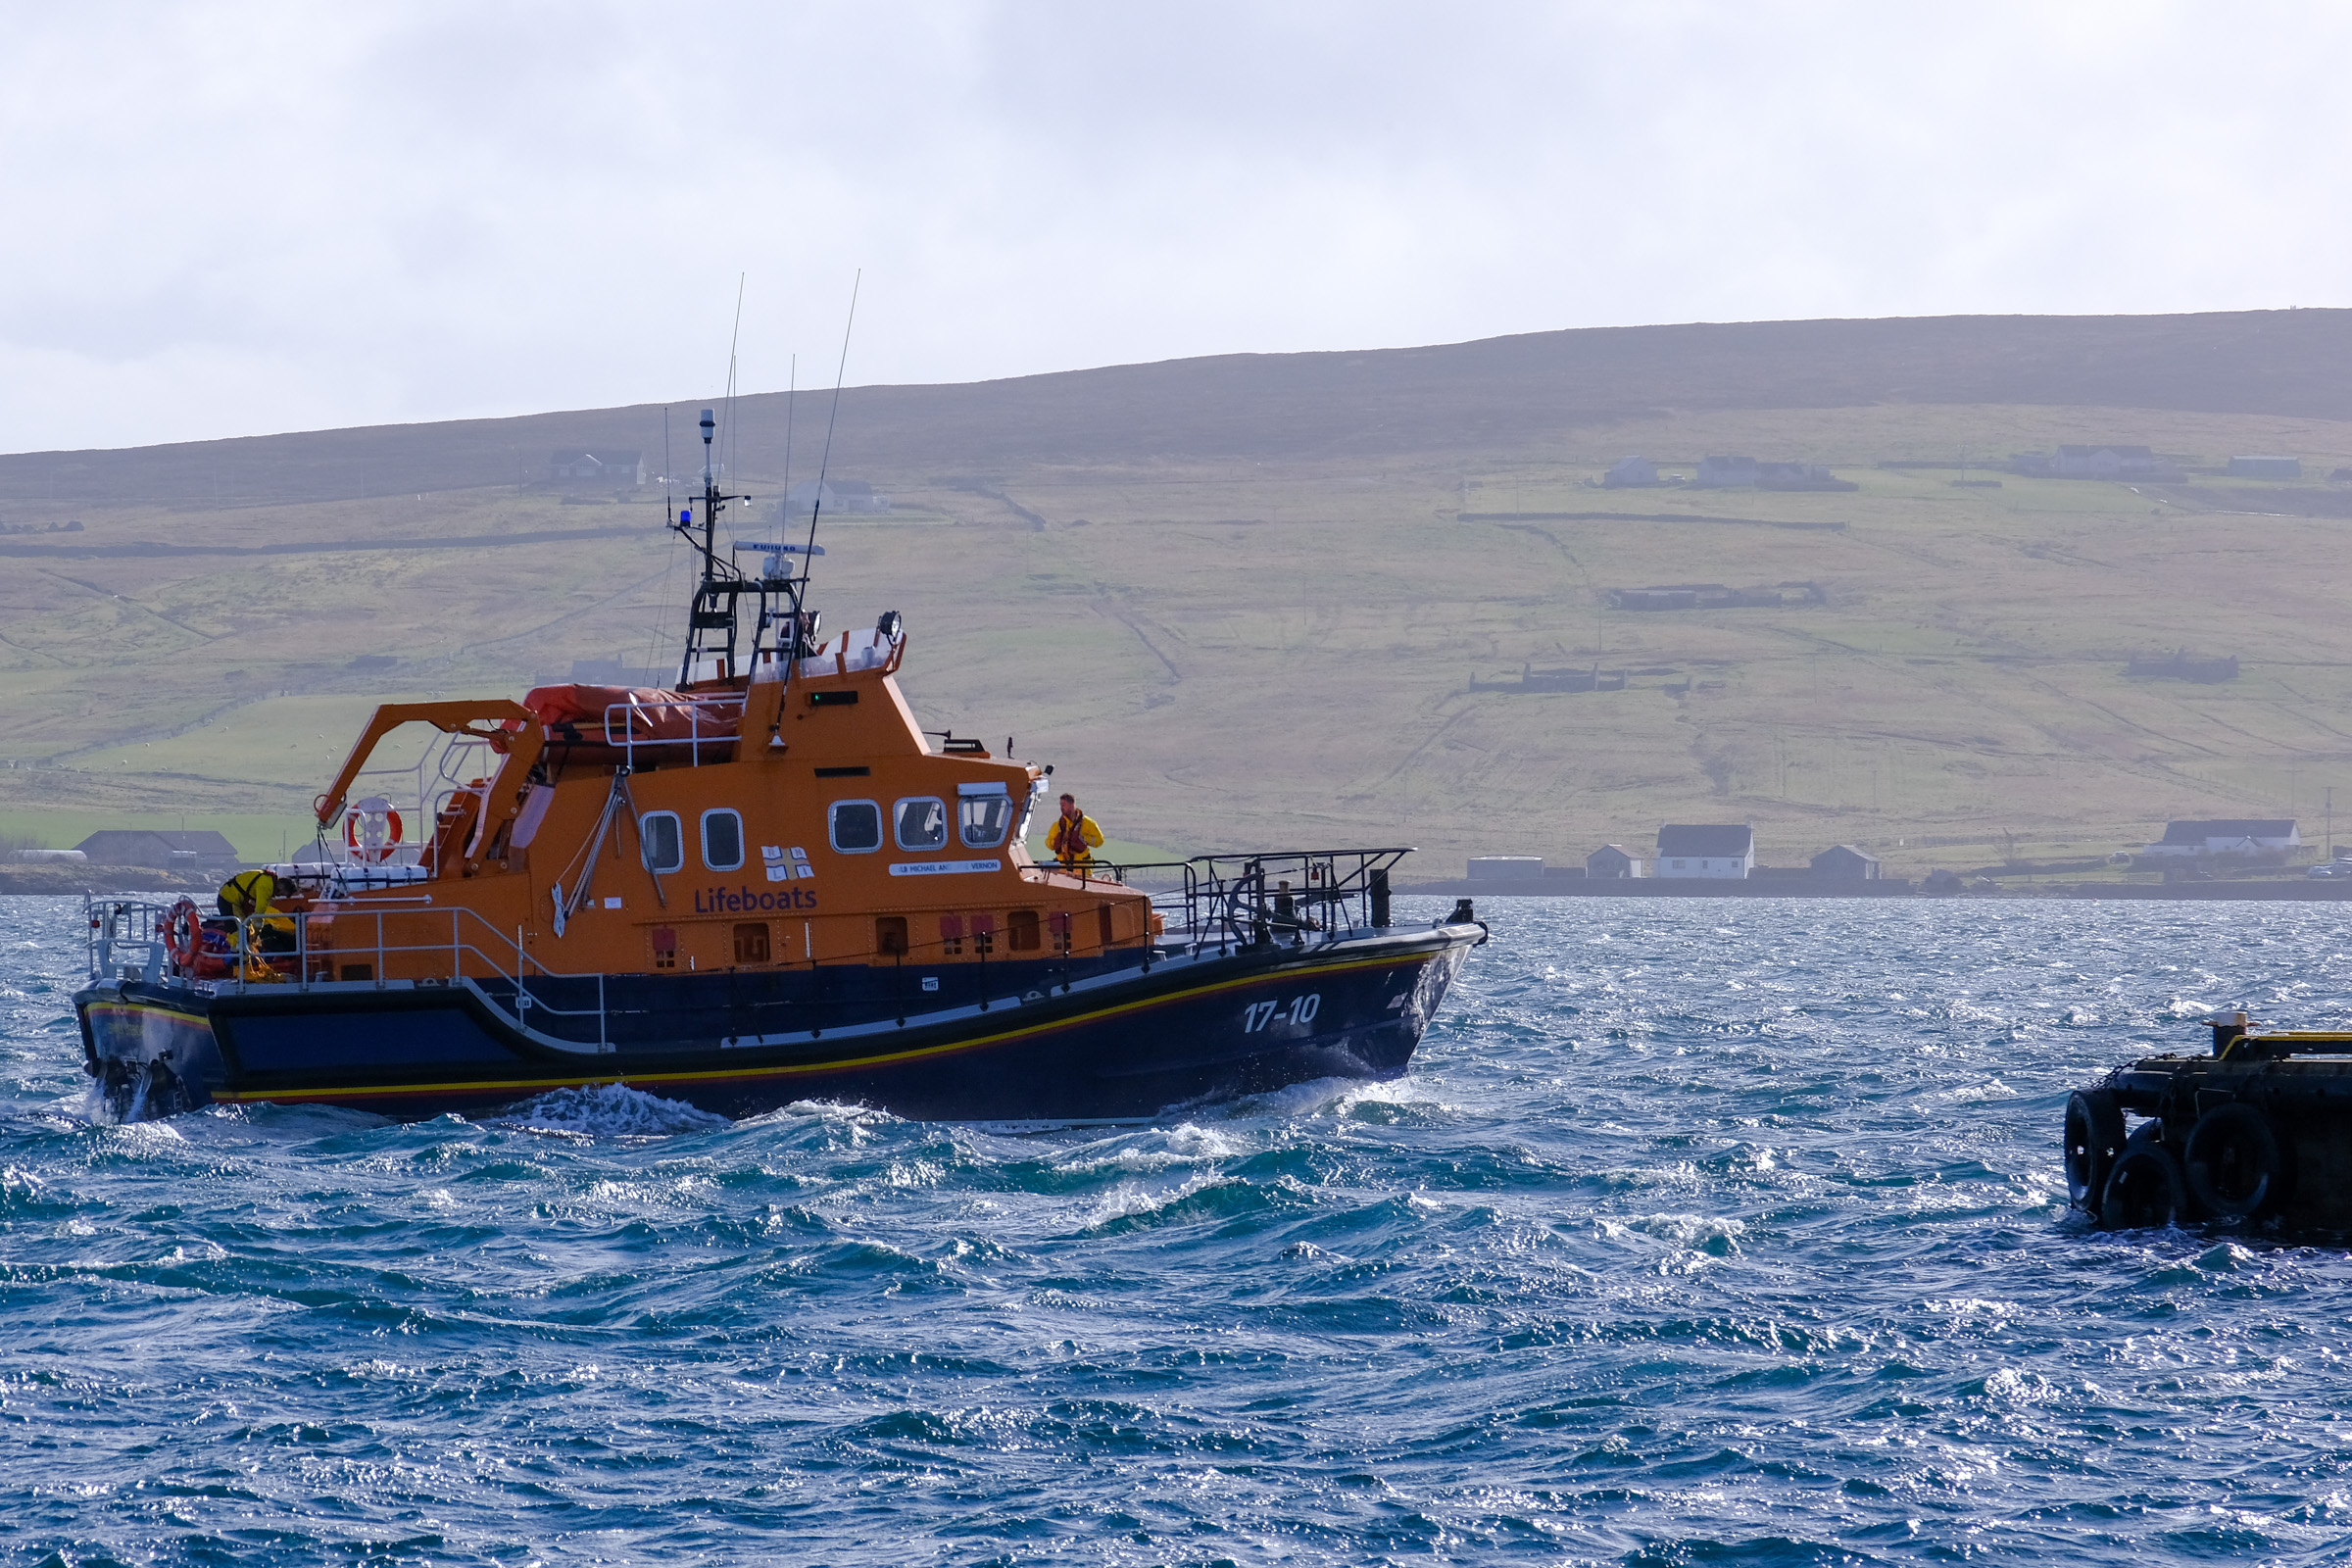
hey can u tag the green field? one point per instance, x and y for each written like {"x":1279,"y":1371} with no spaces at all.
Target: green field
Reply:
{"x":1221,"y":651}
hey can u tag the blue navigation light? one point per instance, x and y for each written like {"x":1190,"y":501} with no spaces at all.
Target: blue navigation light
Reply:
{"x":685,"y":514}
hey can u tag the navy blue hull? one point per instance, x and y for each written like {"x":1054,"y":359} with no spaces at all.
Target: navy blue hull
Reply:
{"x":1035,"y":1041}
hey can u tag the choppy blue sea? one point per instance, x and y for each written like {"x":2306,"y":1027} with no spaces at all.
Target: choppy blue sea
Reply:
{"x":1701,"y":1233}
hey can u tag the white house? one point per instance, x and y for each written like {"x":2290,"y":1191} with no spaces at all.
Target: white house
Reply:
{"x":840,"y":495}
{"x":1711,"y":850}
{"x":602,"y":467}
{"x":2269,"y":838}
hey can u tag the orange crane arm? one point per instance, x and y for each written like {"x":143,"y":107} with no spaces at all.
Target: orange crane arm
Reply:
{"x":527,"y":739}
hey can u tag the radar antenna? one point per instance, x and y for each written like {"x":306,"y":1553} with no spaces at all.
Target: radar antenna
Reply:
{"x":785,"y":629}
{"x":711,"y":622}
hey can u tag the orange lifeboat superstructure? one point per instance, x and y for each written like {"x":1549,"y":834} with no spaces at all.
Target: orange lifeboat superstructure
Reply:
{"x":764,"y":884}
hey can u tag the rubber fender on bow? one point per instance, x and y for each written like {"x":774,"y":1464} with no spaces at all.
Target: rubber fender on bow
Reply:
{"x":2234,"y":1161}
{"x":2143,"y":1190}
{"x":2094,"y":1141}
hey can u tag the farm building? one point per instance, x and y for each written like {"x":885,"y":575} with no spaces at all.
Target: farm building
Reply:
{"x":159,"y":848}
{"x":1612,"y":861}
{"x":2102,"y":463}
{"x":1799,"y":477}
{"x":2259,"y":467}
{"x":1846,"y":864}
{"x":2265,"y":838}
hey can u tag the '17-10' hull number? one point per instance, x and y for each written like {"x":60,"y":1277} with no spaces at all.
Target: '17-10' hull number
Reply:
{"x":1301,"y":1011}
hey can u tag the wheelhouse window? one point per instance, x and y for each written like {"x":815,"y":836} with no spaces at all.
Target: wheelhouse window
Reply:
{"x":722,"y":839}
{"x":856,"y":826}
{"x":985,"y":813}
{"x":921,"y":821}
{"x":661,"y":840}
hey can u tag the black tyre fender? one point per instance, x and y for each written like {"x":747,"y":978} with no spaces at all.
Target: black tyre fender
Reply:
{"x":2144,"y":1190}
{"x":2094,"y":1141}
{"x":2234,"y":1162}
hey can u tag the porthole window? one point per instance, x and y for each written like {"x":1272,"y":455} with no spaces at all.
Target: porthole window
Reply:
{"x":661,"y":840}
{"x":921,"y":821}
{"x":856,"y":826}
{"x":722,"y":839}
{"x":985,"y":817}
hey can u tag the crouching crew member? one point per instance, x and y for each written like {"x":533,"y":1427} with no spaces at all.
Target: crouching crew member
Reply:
{"x":257,"y":893}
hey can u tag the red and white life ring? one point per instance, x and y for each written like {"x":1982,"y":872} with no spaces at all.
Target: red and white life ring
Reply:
{"x":371,"y":831}
{"x":184,"y":934}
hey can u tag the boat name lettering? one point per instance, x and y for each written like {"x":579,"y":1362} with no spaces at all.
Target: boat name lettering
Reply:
{"x":747,"y":900}
{"x":943,"y":868}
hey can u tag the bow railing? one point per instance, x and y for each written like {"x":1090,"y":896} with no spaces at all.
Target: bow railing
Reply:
{"x":1226,"y":901}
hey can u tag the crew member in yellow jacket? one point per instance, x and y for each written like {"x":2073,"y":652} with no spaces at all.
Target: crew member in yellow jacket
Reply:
{"x":252,"y":894}
{"x":1074,"y":837}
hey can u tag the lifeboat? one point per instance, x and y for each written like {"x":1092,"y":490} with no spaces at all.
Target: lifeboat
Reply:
{"x":762,"y":885}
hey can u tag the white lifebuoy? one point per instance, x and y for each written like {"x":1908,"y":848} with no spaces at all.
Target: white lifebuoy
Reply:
{"x":371,"y":831}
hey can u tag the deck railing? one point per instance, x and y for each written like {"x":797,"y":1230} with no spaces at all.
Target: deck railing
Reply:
{"x":1250,"y":900}
{"x":127,"y":940}
{"x":712,"y":723}
{"x":1216,"y":903}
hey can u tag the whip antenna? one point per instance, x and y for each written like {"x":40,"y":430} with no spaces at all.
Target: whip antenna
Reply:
{"x":792,"y":386}
{"x":827,"y":456}
{"x":734,"y":339}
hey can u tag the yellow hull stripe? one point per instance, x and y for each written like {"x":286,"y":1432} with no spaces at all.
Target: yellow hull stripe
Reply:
{"x":792,"y":1070}
{"x":132,"y":1010}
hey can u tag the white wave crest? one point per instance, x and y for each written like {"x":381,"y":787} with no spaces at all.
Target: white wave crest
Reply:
{"x":1693,"y":1236}
{"x":144,"y":1134}
{"x":609,"y":1110}
{"x":1152,"y":1149}
{"x":2009,"y":1386}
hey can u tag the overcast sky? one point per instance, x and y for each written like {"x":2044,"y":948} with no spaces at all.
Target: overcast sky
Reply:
{"x":233,"y":218}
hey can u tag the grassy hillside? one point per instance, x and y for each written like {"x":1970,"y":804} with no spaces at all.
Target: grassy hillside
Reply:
{"x":1244,"y":602}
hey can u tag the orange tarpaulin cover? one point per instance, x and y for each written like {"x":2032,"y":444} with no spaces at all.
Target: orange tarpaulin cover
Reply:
{"x":576,"y":713}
